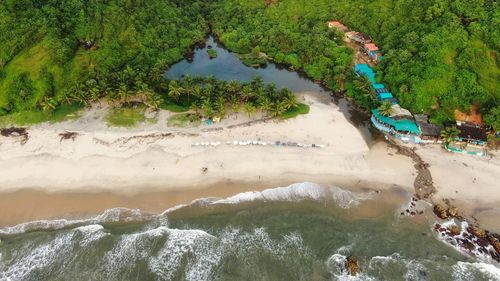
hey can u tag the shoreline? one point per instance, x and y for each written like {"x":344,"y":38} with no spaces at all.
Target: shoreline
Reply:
{"x":157,"y":158}
{"x":70,"y":205}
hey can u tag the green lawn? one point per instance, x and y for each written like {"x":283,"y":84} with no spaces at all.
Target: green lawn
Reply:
{"x":296,"y":111}
{"x":184,"y":120}
{"x":64,"y":112}
{"x":126,"y":117}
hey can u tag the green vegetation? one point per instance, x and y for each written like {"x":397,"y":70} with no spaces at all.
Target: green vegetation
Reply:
{"x":126,"y":117}
{"x":212,"y":53}
{"x":184,"y":120}
{"x":210,"y":97}
{"x":62,"y":113}
{"x":449,"y":134}
{"x":439,"y":55}
{"x":253,"y":59}
{"x":385,"y":108}
{"x":55,"y":53}
{"x":296,"y":111}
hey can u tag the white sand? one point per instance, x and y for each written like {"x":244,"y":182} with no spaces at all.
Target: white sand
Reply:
{"x":106,"y":159}
{"x":474,"y":180}
{"x":102,"y":159}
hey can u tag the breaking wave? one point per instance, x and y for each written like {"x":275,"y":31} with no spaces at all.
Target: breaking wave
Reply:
{"x":295,"y":192}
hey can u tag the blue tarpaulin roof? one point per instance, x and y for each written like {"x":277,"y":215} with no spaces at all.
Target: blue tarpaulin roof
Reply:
{"x":377,"y":86}
{"x":383,"y":96}
{"x":404,"y":125}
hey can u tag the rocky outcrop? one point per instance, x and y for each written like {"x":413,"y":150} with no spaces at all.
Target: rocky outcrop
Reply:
{"x":441,"y":211}
{"x":352,"y":266}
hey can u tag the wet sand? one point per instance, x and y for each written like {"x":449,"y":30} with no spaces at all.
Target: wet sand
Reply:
{"x":30,"y":205}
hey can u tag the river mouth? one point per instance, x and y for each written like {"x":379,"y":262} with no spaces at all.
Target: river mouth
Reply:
{"x":300,"y":232}
{"x":227,"y":66}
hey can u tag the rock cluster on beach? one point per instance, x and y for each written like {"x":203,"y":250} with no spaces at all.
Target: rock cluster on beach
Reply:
{"x":414,"y":207}
{"x":444,"y":212}
{"x":471,"y":239}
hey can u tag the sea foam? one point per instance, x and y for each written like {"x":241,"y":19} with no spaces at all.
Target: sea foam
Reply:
{"x":299,"y":192}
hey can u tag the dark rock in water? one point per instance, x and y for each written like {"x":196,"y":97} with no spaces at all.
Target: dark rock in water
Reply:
{"x":352,"y":265}
{"x":454,"y":230}
{"x":476,"y":231}
{"x":453,"y":212}
{"x":494,"y":241}
{"x":469,"y":246}
{"x":437,"y":226}
{"x":440,"y":211}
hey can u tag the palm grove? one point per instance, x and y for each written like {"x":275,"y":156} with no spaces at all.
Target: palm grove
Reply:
{"x":440,"y":55}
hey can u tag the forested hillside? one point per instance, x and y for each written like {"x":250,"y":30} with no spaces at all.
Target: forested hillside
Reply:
{"x":56,"y":52}
{"x":439,"y":54}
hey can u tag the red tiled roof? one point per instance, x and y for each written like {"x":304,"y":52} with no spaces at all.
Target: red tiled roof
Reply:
{"x":371,"y":47}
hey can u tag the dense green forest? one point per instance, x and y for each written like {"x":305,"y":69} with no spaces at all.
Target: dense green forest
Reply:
{"x":440,"y":55}
{"x":74,"y":52}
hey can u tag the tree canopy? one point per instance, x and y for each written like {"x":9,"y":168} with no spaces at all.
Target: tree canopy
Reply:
{"x":440,"y":55}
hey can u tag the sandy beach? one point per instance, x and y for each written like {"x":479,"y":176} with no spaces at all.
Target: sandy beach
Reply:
{"x":156,"y":159}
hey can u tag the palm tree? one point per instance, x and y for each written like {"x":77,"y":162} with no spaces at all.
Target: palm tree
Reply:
{"x":233,"y":87}
{"x":257,"y":82}
{"x":220,"y":103}
{"x":385,"y":108}
{"x":449,"y":134}
{"x":290,"y":101}
{"x":197,"y":91}
{"x":250,"y":109}
{"x":153,"y":101}
{"x":187,"y":84}
{"x":207,"y":108}
{"x":265,"y":103}
{"x":278,"y":108}
{"x":247,"y":93}
{"x":174,"y":90}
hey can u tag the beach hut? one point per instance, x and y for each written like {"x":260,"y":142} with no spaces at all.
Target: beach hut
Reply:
{"x":430,"y":132}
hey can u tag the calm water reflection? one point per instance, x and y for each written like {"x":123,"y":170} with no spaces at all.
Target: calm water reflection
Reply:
{"x":227,"y":66}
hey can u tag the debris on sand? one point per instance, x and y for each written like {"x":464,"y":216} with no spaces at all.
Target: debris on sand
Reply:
{"x":68,"y":136}
{"x":15,"y":132}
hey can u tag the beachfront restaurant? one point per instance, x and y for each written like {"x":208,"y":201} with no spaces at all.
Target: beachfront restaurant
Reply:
{"x":430,"y":133}
{"x":399,"y":124}
{"x":472,"y":140}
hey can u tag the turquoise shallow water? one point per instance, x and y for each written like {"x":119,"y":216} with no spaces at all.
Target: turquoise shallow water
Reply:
{"x":302,"y":232}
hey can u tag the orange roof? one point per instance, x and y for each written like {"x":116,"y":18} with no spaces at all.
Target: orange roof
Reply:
{"x":473,"y":117}
{"x":338,"y":25}
{"x":371,"y":47}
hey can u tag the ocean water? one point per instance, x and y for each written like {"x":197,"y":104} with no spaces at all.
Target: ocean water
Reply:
{"x":300,"y":232}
